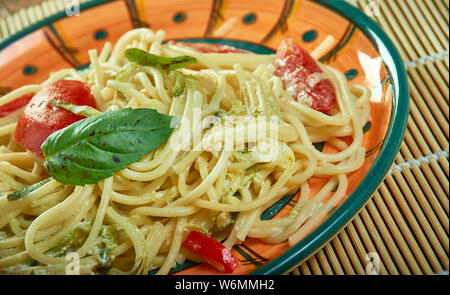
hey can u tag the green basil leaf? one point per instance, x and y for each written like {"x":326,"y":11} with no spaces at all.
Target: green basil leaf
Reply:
{"x":180,"y":85}
{"x":92,"y":149}
{"x":181,"y":62}
{"x":84,"y":111}
{"x":17,"y":195}
{"x":168,"y":63}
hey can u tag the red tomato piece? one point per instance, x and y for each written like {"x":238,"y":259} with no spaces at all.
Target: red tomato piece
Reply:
{"x":212,"y":251}
{"x":15,"y":105}
{"x":40,"y":118}
{"x":303,"y":77}
{"x":209,"y":47}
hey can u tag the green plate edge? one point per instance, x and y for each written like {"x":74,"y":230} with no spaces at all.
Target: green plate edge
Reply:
{"x":394,"y":136}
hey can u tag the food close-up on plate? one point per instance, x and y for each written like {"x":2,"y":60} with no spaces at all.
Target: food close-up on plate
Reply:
{"x":192,"y":137}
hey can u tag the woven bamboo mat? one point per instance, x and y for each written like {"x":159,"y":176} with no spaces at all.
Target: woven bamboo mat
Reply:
{"x":405,"y":225}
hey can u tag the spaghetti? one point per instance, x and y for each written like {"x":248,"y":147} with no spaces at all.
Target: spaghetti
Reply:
{"x":137,"y":220}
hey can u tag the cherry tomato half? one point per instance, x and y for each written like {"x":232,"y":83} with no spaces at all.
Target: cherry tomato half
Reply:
{"x":40,"y":118}
{"x":303,"y":77}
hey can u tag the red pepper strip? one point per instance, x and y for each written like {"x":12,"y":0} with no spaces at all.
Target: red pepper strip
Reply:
{"x":214,"y":252}
{"x":15,"y":105}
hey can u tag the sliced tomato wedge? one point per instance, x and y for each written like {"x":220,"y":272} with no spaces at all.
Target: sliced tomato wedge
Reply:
{"x":303,"y":78}
{"x":212,"y":251}
{"x":40,"y":118}
{"x":209,"y":47}
{"x":15,"y":105}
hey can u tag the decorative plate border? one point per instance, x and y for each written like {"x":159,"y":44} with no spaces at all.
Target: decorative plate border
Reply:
{"x":394,"y":135}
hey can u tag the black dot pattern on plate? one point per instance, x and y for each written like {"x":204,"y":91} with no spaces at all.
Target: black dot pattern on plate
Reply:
{"x":351,"y":74}
{"x":101,"y":34}
{"x":310,"y":36}
{"x":249,"y":18}
{"x":180,"y":17}
{"x":29,"y":70}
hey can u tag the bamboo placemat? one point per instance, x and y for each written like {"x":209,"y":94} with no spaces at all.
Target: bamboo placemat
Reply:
{"x":406,"y":222}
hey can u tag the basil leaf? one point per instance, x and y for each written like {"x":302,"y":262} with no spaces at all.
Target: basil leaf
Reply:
{"x":168,"y":63}
{"x":84,"y":111}
{"x":17,"y":195}
{"x":181,"y":62}
{"x":180,"y":85}
{"x":92,"y":149}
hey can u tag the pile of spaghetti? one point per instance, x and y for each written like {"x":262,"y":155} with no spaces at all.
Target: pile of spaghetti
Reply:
{"x":140,"y":218}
